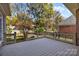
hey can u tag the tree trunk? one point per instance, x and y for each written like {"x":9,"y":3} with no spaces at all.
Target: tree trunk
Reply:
{"x":25,"y":34}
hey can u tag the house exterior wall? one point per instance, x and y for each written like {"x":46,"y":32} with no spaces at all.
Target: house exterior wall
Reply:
{"x":67,"y":28}
{"x":77,"y":27}
{"x":1,"y":30}
{"x":4,"y":11}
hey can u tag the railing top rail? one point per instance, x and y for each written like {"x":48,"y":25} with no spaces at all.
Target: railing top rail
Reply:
{"x":65,"y":33}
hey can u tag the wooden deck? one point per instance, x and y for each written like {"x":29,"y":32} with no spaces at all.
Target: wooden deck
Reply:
{"x":40,"y":47}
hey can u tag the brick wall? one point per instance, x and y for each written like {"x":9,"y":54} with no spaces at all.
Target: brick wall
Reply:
{"x":67,"y":28}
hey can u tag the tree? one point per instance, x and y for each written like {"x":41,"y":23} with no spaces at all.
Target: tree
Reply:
{"x":49,"y":25}
{"x":57,"y":18}
{"x":40,"y":25}
{"x":8,"y":20}
{"x":24,"y":23}
{"x":14,"y":20}
{"x":40,"y":22}
{"x":40,"y":12}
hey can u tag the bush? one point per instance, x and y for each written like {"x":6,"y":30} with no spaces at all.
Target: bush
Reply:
{"x":40,"y":29}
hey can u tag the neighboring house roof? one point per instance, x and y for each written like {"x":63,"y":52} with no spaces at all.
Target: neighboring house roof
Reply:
{"x":69,"y":21}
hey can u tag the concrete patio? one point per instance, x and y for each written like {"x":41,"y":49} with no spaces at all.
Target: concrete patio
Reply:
{"x":40,"y":47}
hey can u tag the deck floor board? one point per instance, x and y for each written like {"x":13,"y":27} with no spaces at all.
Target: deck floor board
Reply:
{"x":40,"y":47}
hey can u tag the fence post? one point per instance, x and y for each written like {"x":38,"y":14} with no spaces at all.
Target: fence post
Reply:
{"x":14,"y":37}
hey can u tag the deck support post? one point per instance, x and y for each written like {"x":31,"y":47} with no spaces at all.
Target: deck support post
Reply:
{"x":77,"y":27}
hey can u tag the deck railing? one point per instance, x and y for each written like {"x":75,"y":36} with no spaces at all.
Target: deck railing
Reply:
{"x":10,"y":38}
{"x":65,"y":37}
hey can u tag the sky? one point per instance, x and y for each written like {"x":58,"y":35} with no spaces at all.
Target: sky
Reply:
{"x":57,"y":6}
{"x":62,"y":9}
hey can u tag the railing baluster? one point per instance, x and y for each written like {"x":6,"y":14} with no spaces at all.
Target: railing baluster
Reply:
{"x":65,"y":36}
{"x":55,"y":36}
{"x":59,"y":35}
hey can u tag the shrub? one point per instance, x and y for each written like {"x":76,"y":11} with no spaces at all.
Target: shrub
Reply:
{"x":40,"y":29}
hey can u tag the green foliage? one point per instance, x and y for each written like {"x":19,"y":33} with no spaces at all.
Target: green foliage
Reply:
{"x":24,"y":21}
{"x":9,"y":30}
{"x":14,"y":20}
{"x":41,"y":13}
{"x":43,"y":10}
{"x":40,"y":29}
{"x":40,"y":23}
{"x":8,"y":21}
{"x":58,"y":19}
